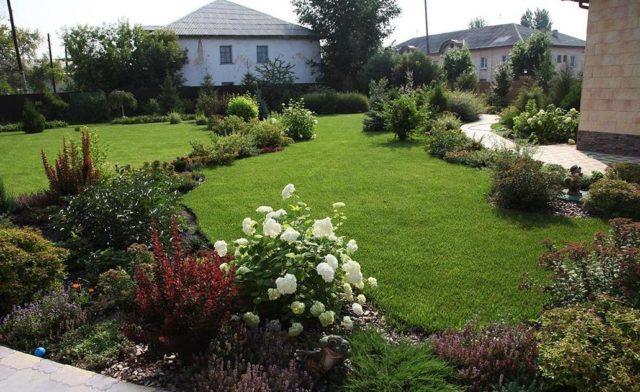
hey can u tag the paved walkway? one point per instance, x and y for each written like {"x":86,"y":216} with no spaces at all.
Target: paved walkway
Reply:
{"x":21,"y":372}
{"x":561,"y":154}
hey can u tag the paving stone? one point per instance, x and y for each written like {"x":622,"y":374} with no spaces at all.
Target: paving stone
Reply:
{"x":100,"y":382}
{"x":19,"y":360}
{"x":5,"y":372}
{"x":47,"y":366}
{"x":126,"y":387}
{"x":71,"y":376}
{"x":79,"y":388}
{"x":26,"y":380}
{"x":5,"y":352}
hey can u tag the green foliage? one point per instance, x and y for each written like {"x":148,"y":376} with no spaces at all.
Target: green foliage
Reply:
{"x":39,"y":74}
{"x":119,"y":99}
{"x":331,"y":102}
{"x":28,"y":43}
{"x":508,"y":115}
{"x":467,"y":106}
{"x":122,"y":57}
{"x":152,"y":107}
{"x":93,"y":346}
{"x":381,"y":366}
{"x":146,"y":119}
{"x":629,"y":172}
{"x":209,"y":104}
{"x":422,"y":69}
{"x":201,"y":119}
{"x":243,"y":106}
{"x":438,"y":98}
{"x":498,"y":96}
{"x":53,"y":107}
{"x":237,"y":145}
{"x":477,"y":22}
{"x":443,"y":141}
{"x":115,"y":290}
{"x":456,"y":62}
{"x":88,"y":108}
{"x":527,"y":95}
{"x":590,"y":347}
{"x":547,"y":126}
{"x":32,"y":120}
{"x":119,"y":212}
{"x":29,"y":264}
{"x":174,"y":118}
{"x":563,"y":89}
{"x":538,"y":20}
{"x":534,"y":57}
{"x":6,"y":201}
{"x":299,"y":123}
{"x":614,"y":198}
{"x":228,"y":125}
{"x":353,"y":31}
{"x":402,"y":116}
{"x":521,"y":184}
{"x":269,"y":133}
{"x":379,"y":94}
{"x":169,"y":98}
{"x":467,"y":81}
{"x":379,"y":66}
{"x":41,"y":322}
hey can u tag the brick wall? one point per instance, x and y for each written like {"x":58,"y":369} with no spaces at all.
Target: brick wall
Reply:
{"x":610,"y":111}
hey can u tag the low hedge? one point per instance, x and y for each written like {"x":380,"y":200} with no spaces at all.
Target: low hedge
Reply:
{"x":332,"y":102}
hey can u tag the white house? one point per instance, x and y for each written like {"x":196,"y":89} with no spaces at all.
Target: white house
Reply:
{"x":490,"y":46}
{"x":227,"y":40}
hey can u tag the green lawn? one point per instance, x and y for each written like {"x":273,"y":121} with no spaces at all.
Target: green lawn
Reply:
{"x":21,"y":166}
{"x":441,"y":253}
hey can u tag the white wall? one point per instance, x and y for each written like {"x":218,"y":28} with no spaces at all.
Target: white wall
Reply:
{"x":207,"y":60}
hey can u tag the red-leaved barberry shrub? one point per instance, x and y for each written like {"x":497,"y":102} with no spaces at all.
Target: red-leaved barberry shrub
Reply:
{"x":185,"y":299}
{"x":71,"y":172}
{"x":490,"y":356}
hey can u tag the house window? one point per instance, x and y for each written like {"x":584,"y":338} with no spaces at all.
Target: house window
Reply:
{"x":564,"y":58}
{"x":505,"y":59}
{"x":483,"y":63}
{"x":227,"y":83}
{"x":559,"y":59}
{"x":573,"y":61}
{"x":226,"y":55}
{"x":263,"y":54}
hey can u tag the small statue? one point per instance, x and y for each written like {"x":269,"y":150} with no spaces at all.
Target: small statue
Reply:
{"x":574,"y":180}
{"x":333,"y":351}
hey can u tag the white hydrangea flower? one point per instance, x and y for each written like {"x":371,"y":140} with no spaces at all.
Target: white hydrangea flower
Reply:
{"x":317,"y":309}
{"x":264,"y":209}
{"x":347,"y":322}
{"x":361,"y":299}
{"x":242,"y":270}
{"x":221,"y":248}
{"x":373,"y":282}
{"x":325,"y":270}
{"x":357,"y":309}
{"x":287,"y":284}
{"x":351,"y":267}
{"x":338,"y":205}
{"x":295,"y":329}
{"x":271,"y":228}
{"x":355,"y":278}
{"x":348,"y":292}
{"x":288,"y":191}
{"x":290,"y":235}
{"x":332,"y":261}
{"x":273,"y":294}
{"x":322,"y":228}
{"x":327,"y":318}
{"x":297,"y":307}
{"x":360,"y":284}
{"x":248,"y":226}
{"x":240,"y":242}
{"x":251,"y":319}
{"x":276,"y":214}
{"x":352,"y":247}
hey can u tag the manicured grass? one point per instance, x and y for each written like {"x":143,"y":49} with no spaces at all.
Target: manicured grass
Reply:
{"x":21,"y":166}
{"x":441,"y":253}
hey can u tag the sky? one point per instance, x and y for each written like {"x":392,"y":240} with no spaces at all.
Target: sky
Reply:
{"x":51,"y":16}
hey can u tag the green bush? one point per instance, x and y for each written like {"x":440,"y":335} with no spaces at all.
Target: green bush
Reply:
{"x":379,"y":94}
{"x":146,"y":119}
{"x":629,"y":172}
{"x":174,"y":118}
{"x":507,"y":116}
{"x":229,"y":125}
{"x":520,"y":183}
{"x":401,"y":116}
{"x":32,"y":120}
{"x":152,"y":107}
{"x":210,"y":104}
{"x":237,"y":145}
{"x":119,"y":100}
{"x":614,"y":198}
{"x":446,"y":121}
{"x":88,"y":108}
{"x":55,"y":124}
{"x":29,"y":264}
{"x":41,"y":322}
{"x":53,"y":107}
{"x":590,"y":347}
{"x":201,"y":119}
{"x":331,"y":102}
{"x":438,"y":99}
{"x":525,"y":95}
{"x":299,"y":123}
{"x":443,"y":141}
{"x":549,"y":125}
{"x":473,"y":158}
{"x":11,"y":127}
{"x":119,"y":212}
{"x":467,"y":106}
{"x":6,"y":201}
{"x":115,"y":290}
{"x":93,"y":346}
{"x":269,"y":133}
{"x":243,"y":106}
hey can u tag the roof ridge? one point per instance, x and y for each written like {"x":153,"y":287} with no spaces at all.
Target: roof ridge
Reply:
{"x":515,"y":27}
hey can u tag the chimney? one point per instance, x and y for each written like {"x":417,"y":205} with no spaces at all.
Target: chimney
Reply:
{"x":555,"y":33}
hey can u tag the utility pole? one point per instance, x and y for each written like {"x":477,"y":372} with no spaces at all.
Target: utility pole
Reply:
{"x":426,"y":23}
{"x":53,"y":75}
{"x":15,"y":44}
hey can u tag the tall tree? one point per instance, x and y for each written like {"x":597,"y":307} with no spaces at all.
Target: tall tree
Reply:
{"x":40,"y":72}
{"x":538,"y":20}
{"x":121,"y":57}
{"x":477,"y":23}
{"x":456,"y":62}
{"x":28,"y":42}
{"x":533,"y":58}
{"x":351,"y":30}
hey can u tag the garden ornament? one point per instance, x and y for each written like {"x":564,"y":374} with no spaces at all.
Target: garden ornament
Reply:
{"x":333,"y":351}
{"x":574,"y":181}
{"x":40,"y":352}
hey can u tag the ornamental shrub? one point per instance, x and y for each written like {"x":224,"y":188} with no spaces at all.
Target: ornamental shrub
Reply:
{"x":119,"y":212}
{"x":41,"y":322}
{"x":88,"y":108}
{"x":115,"y":290}
{"x":29,"y":264}
{"x":443,"y":141}
{"x":228,"y":125}
{"x":152,"y":107}
{"x":185,"y":299}
{"x":93,"y":346}
{"x":146,"y":119}
{"x":201,"y":119}
{"x":53,"y":107}
{"x":174,"y":118}
{"x":269,"y":133}
{"x":299,"y":123}
{"x":491,"y":355}
{"x":526,"y":95}
{"x":32,"y":120}
{"x":402,"y":116}
{"x":629,"y":172}
{"x":331,"y":102}
{"x":295,"y":268}
{"x":466,"y":105}
{"x":209,"y":104}
{"x":614,"y":198}
{"x":590,"y":347}
{"x":119,"y":99}
{"x":379,"y":94}
{"x":243,"y":106}
{"x":548,"y":126}
{"x":508,"y":115}
{"x":520,"y":183}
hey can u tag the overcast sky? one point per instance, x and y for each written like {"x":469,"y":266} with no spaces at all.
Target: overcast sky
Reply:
{"x":50,"y":16}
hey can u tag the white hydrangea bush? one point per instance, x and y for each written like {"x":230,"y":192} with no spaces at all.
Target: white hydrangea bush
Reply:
{"x":296,"y":268}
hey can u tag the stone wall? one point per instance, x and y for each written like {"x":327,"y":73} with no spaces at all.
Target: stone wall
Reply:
{"x":610,"y":111}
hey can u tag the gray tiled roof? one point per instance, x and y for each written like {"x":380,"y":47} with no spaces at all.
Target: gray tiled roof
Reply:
{"x":224,"y":18}
{"x":489,"y":37}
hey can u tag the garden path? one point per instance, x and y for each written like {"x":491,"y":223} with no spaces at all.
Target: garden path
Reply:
{"x":21,"y":372}
{"x":561,"y":154}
